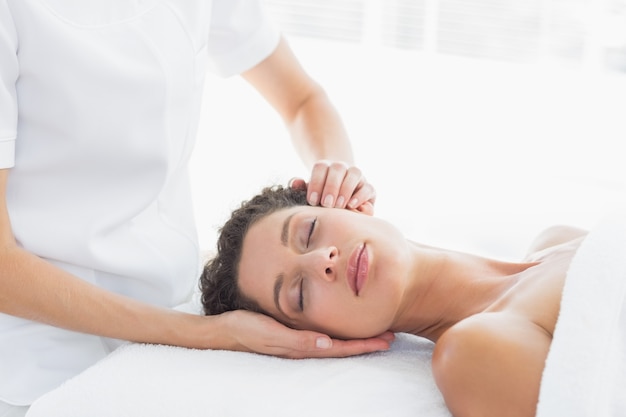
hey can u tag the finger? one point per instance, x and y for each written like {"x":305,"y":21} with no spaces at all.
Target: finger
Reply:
{"x":315,"y":345}
{"x":388,"y":336}
{"x":316,"y":183}
{"x":297,"y":183}
{"x":334,"y":179}
{"x":351,"y":182}
{"x":344,"y":348}
{"x":366,"y":208}
{"x":364,"y":194}
{"x":297,"y":345}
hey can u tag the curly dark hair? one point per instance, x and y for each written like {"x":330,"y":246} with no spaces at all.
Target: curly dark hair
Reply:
{"x":218,"y":282}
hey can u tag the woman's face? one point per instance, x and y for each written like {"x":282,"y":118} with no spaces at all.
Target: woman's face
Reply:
{"x":331,"y":270}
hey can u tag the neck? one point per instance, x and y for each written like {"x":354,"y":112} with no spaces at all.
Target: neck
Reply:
{"x":445,"y":287}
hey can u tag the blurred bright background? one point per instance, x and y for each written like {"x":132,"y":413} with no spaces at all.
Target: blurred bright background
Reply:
{"x":480,"y":122}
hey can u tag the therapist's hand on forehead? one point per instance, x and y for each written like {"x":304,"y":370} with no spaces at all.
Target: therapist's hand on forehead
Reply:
{"x":335,"y":184}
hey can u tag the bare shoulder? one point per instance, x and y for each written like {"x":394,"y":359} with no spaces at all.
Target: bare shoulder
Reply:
{"x":555,"y":235}
{"x":491,"y":364}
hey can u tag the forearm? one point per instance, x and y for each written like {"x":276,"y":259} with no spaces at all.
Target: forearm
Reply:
{"x":315,"y":126}
{"x":34,"y":289}
{"x":318,"y":131}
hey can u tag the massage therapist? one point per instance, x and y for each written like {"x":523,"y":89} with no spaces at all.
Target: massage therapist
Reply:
{"x":99,"y":103}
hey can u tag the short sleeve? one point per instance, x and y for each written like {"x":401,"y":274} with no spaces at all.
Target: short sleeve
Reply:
{"x":9,"y":71}
{"x":241,"y":35}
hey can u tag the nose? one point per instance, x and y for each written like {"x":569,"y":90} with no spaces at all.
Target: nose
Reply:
{"x":322,"y":263}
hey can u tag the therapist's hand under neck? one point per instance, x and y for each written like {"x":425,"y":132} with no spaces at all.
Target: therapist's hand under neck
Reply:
{"x":254,"y":332}
{"x":335,"y":184}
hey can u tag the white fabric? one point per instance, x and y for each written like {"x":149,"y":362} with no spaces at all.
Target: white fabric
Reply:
{"x":585,"y":373}
{"x":8,"y":76}
{"x":99,"y":104}
{"x":149,"y":380}
{"x":8,"y":410}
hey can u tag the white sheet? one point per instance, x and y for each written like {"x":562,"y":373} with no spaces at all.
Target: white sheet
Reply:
{"x":585,"y":373}
{"x":148,"y":380}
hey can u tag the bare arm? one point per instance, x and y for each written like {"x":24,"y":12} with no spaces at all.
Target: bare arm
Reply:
{"x":314,"y":124}
{"x":316,"y":129}
{"x":34,"y":289}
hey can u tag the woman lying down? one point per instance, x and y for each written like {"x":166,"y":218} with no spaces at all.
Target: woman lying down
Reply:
{"x":356,"y":276}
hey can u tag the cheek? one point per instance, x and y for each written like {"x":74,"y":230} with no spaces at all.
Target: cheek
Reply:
{"x":323,"y":309}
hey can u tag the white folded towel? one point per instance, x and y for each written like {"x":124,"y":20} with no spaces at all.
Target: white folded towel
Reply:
{"x":149,"y":380}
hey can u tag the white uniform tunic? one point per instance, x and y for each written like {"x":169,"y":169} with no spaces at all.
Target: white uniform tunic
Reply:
{"x":99,"y":104}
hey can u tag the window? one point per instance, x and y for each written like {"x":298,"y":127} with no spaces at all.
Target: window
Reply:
{"x":584,"y":33}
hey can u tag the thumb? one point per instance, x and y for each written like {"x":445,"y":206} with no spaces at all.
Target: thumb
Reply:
{"x":323,"y":342}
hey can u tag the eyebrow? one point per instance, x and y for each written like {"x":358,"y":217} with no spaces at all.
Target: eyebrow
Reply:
{"x":277,"y":286}
{"x":284,"y":235}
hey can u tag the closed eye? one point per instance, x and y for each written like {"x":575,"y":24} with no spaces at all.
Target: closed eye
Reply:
{"x":308,"y":240}
{"x":301,"y":298}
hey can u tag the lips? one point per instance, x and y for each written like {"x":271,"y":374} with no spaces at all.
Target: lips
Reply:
{"x":358,"y":267}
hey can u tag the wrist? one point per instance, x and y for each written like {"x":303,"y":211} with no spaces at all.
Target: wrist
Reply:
{"x":201,"y":332}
